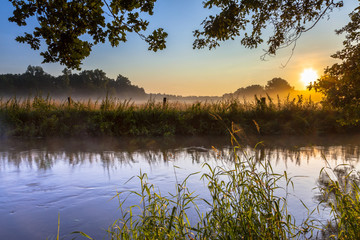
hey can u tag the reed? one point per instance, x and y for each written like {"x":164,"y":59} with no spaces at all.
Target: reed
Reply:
{"x":340,"y":191}
{"x":244,"y":203}
{"x":44,"y":116}
{"x":246,"y":200}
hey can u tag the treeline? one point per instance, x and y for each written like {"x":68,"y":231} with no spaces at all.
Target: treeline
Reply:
{"x":273,"y":86}
{"x":95,"y":84}
{"x":86,"y":83}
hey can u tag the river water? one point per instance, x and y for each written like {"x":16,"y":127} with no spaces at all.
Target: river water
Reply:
{"x":76,"y":179}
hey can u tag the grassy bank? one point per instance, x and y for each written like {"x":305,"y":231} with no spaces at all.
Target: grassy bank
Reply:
{"x":42,"y":117}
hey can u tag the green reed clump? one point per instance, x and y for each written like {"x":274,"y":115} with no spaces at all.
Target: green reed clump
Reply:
{"x":244,"y":203}
{"x":247,"y":200}
{"x":160,"y":217}
{"x":42,"y":117}
{"x":340,"y":190}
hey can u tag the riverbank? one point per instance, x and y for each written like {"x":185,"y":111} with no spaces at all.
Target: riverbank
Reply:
{"x":45,"y":117}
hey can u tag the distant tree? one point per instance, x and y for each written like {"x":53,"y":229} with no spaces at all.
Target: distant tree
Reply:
{"x":92,"y":79}
{"x":7,"y":85}
{"x":250,"y":90}
{"x":278,"y":85}
{"x":35,"y":79}
{"x":123,"y":81}
{"x":124,"y":87}
{"x":66,"y":77}
{"x":63,"y":23}
{"x":34,"y":70}
{"x":66,"y":71}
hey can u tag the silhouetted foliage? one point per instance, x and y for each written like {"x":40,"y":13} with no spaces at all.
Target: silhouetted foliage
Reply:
{"x":288,"y":19}
{"x":341,"y":82}
{"x":123,"y":81}
{"x":62,"y":24}
{"x":275,"y":85}
{"x":248,"y":91}
{"x":278,"y":85}
{"x":88,"y":82}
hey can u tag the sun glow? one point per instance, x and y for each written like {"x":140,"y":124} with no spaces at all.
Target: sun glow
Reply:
{"x":308,"y":76}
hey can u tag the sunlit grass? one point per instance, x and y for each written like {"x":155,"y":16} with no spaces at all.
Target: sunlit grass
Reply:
{"x":43,"y":116}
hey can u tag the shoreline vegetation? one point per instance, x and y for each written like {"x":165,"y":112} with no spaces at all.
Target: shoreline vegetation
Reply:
{"x":247,"y":200}
{"x":46,"y":117}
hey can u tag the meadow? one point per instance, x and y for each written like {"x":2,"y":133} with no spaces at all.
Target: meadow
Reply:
{"x":46,"y":117}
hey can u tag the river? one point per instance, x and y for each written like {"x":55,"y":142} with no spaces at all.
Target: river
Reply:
{"x":76,"y":179}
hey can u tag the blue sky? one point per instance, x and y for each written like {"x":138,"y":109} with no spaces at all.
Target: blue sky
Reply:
{"x":179,"y":69}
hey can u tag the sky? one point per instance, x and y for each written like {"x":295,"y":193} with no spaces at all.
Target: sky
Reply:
{"x":179,"y":69}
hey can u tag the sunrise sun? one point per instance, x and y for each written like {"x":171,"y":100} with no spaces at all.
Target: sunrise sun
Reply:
{"x":308,"y":76}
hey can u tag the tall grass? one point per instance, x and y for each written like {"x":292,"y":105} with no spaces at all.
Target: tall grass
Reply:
{"x":246,"y":201}
{"x":43,"y":116}
{"x":340,"y":190}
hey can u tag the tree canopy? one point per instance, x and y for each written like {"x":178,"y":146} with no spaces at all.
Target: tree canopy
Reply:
{"x":276,"y":85}
{"x":340,"y":83}
{"x":63,"y":23}
{"x":279,"y":85}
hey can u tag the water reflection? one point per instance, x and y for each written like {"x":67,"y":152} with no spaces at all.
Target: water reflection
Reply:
{"x":113,"y":153}
{"x":43,"y":177}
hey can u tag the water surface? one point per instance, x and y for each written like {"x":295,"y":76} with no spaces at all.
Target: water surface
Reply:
{"x":77,"y":178}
